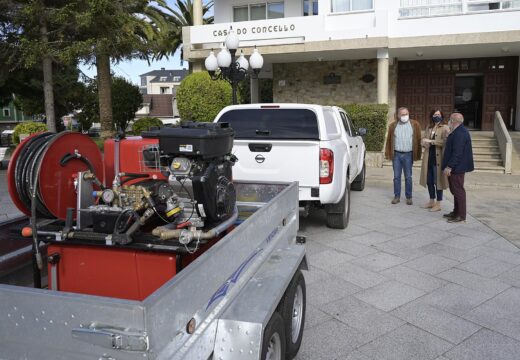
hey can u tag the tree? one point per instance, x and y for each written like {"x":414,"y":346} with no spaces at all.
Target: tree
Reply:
{"x":200,"y":99}
{"x":126,"y":100}
{"x":183,"y":16}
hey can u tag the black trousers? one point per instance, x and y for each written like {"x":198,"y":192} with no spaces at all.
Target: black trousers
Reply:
{"x":456,"y":182}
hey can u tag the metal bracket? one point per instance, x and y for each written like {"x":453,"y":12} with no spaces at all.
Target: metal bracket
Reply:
{"x":112,"y":337}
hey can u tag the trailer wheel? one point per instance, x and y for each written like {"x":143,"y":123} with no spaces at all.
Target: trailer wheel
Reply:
{"x":292,"y":308}
{"x":273,"y":343}
{"x":339,"y":214}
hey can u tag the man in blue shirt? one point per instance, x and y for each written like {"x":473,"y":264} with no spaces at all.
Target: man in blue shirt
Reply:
{"x":458,"y":160}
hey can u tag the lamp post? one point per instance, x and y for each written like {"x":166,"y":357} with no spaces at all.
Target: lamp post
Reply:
{"x":227,"y":67}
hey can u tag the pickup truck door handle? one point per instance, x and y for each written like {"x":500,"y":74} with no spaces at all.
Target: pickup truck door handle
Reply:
{"x":257,"y":147}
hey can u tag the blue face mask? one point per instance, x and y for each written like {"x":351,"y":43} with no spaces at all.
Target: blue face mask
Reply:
{"x":437,"y":118}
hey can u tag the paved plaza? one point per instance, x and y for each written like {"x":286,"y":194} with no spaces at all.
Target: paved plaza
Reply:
{"x":401,"y":283}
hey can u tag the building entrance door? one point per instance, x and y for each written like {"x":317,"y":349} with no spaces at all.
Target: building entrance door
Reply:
{"x":468,"y":98}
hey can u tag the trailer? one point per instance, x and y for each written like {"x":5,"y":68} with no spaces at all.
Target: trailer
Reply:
{"x":242,"y":296}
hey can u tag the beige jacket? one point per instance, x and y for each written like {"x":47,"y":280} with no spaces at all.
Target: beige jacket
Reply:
{"x":441,"y":134}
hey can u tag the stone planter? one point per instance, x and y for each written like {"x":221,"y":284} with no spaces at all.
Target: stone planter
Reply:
{"x":374,"y":159}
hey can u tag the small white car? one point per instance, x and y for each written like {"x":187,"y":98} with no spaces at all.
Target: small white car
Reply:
{"x":312,"y":144}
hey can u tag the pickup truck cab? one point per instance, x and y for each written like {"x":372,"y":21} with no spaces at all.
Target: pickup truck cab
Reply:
{"x":312,"y":144}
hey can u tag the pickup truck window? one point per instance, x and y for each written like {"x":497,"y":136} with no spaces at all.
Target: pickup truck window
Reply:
{"x":346,"y":124}
{"x":330,"y":122}
{"x":286,"y":124}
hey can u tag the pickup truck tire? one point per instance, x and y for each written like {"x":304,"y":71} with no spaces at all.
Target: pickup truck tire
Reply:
{"x":339,"y":214}
{"x":273,"y":343}
{"x":359,"y":182}
{"x":292,"y":308}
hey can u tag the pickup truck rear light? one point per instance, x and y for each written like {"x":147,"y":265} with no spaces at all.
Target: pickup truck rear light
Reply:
{"x":326,"y":166}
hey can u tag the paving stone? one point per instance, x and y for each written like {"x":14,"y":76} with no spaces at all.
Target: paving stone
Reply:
{"x":417,"y":279}
{"x":378,"y":262}
{"x":406,"y":343}
{"x":371,"y":238}
{"x":314,"y":247}
{"x":389,"y":295}
{"x":476,"y":231}
{"x":511,"y":277}
{"x":355,"y":355}
{"x":328,"y":341}
{"x":315,"y":274}
{"x":501,"y":255}
{"x":431,"y":264}
{"x":474,"y":281}
{"x":329,"y":258}
{"x":486,"y":345}
{"x":436,"y":321}
{"x":323,"y":292}
{"x":392,"y":230}
{"x":314,"y":316}
{"x":486,"y":266}
{"x":398,"y":249}
{"x":502,"y":244}
{"x":362,"y":316}
{"x":502,"y":313}
{"x":453,"y":253}
{"x":455,"y":299}
{"x":353,"y":248}
{"x":463,"y":242}
{"x":357,"y":275}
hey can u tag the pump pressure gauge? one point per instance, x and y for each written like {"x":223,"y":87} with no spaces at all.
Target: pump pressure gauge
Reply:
{"x":107,"y":196}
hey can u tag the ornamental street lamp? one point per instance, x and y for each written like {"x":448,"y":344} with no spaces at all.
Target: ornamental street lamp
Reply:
{"x":225,"y":66}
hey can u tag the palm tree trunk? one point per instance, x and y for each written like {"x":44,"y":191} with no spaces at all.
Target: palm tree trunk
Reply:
{"x":105,"y":95}
{"x":48,"y":92}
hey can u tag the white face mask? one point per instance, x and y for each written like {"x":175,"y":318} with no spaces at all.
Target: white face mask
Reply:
{"x":405,"y":118}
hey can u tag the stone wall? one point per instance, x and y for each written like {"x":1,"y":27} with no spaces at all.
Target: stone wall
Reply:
{"x":303,"y":82}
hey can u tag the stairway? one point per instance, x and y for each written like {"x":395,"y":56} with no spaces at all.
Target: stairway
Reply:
{"x":486,"y":153}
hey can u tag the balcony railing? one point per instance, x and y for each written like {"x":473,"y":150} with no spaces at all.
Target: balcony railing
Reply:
{"x":424,"y":8}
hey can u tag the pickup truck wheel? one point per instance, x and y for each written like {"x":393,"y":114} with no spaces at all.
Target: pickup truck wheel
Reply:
{"x":338,"y":214}
{"x":273,"y":343}
{"x":292,"y":308}
{"x":359,"y":182}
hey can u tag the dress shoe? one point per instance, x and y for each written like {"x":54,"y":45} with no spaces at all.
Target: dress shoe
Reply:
{"x":436,"y":207}
{"x":449,"y":215}
{"x":457,"y":219}
{"x":409,"y":201}
{"x":396,"y":200}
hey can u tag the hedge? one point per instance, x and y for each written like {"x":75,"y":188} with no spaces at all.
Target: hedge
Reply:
{"x":200,"y":99}
{"x":373,"y":117}
{"x":29,"y":127}
{"x":145,"y":123}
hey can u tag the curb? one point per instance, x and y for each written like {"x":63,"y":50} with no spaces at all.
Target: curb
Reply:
{"x":467,"y":186}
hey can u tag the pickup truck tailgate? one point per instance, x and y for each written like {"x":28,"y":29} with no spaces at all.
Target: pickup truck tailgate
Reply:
{"x":278,"y":159}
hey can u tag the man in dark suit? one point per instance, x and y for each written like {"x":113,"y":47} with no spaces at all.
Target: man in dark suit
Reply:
{"x":458,"y":160}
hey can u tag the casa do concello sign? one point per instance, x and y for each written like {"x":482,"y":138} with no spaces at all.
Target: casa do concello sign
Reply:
{"x":266,"y":29}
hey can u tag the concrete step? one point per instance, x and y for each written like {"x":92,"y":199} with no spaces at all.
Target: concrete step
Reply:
{"x":484,"y":142}
{"x":486,"y":152}
{"x":485,"y":163}
{"x":490,"y":169}
{"x":479,"y":167}
{"x":486,"y":157}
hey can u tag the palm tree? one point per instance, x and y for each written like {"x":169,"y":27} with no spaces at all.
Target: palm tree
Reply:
{"x":183,"y":16}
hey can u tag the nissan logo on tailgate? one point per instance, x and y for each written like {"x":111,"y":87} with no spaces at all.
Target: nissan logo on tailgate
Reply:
{"x":259,"y":159}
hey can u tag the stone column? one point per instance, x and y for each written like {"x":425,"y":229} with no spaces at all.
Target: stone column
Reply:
{"x":255,"y":92}
{"x":382,"y":76}
{"x":197,"y":12}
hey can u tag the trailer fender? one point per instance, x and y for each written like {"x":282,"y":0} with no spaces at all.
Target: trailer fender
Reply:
{"x":240,"y":328}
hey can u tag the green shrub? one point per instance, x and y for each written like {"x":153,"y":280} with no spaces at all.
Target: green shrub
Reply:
{"x":29,"y":127}
{"x":372,"y":117}
{"x":144,"y":124}
{"x":200,"y":99}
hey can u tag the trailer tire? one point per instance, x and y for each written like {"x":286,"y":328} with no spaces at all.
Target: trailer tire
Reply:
{"x":339,"y":214}
{"x":273,"y":342}
{"x":292,"y":307}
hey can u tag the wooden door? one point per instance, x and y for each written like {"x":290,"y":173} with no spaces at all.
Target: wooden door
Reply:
{"x":499,"y":91}
{"x":441,"y":92}
{"x":412,"y":93}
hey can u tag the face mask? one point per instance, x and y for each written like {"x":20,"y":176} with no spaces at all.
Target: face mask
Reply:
{"x":437,"y":118}
{"x":405,"y":118}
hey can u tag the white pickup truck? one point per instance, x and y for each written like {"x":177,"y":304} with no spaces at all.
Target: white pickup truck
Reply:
{"x":312,"y":144}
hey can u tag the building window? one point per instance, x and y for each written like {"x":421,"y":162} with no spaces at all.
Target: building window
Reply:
{"x":143,"y":81}
{"x":310,"y":7}
{"x":261,"y":11}
{"x":351,"y":5}
{"x":165,"y":90}
{"x":7,"y":113}
{"x":162,"y":78}
{"x":176,"y":78}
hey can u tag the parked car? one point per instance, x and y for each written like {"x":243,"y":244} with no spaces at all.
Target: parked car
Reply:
{"x":312,"y":144}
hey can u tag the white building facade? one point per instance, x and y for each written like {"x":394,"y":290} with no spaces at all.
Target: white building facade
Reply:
{"x":423,"y":54}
